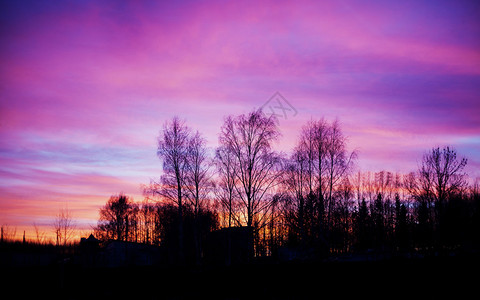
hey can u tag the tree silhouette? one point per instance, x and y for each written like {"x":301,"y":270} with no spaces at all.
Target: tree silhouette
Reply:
{"x":248,"y":138}
{"x":225,"y":190}
{"x":173,"y":146}
{"x":363,"y":226}
{"x":378,"y":218}
{"x":314,"y":145}
{"x":64,"y":227}
{"x":339,"y":162}
{"x":401,"y":224}
{"x":296,"y":178}
{"x":309,"y":201}
{"x":439,"y":180}
{"x":198,"y":183}
{"x":115,"y":217}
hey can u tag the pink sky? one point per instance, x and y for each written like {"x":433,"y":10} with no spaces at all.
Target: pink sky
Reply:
{"x":85,"y":87}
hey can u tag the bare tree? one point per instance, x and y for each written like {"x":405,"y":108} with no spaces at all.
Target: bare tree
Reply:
{"x":197,"y":175}
{"x":173,"y":147}
{"x":338,"y":160}
{"x":64,"y":227}
{"x":198,"y":183}
{"x":319,"y":132}
{"x":314,"y":144}
{"x":316,"y":175}
{"x":133,"y":222}
{"x":249,"y":139}
{"x":40,"y":235}
{"x":8,"y":233}
{"x":148,"y":216}
{"x":439,"y":176}
{"x":448,"y":176}
{"x":296,"y":179}
{"x":225,"y":191}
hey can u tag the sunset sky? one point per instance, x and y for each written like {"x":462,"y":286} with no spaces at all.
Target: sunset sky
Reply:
{"x":85,"y":87}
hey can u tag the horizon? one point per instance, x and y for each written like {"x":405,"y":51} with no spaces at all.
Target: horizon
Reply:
{"x":86,"y":87}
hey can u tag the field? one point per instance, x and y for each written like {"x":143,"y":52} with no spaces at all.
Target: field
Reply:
{"x":435,"y":276}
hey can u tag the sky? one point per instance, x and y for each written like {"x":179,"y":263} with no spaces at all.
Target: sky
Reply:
{"x":85,"y":87}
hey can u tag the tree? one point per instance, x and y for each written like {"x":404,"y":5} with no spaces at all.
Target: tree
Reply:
{"x":197,"y":182}
{"x":186,"y":178}
{"x":318,"y":132}
{"x":419,"y":187}
{"x":8,"y":233}
{"x":225,"y":190}
{"x":339,"y":162}
{"x":314,"y":145}
{"x":439,"y":179}
{"x":316,"y":180}
{"x":439,"y":176}
{"x":40,"y":235}
{"x":297,"y":180}
{"x":133,"y":224}
{"x":148,"y":215}
{"x":378,"y":218}
{"x":173,"y":147}
{"x":115,"y":216}
{"x":64,"y":227}
{"x":362,"y":222}
{"x":446,"y":172}
{"x":248,"y":139}
{"x":401,"y":223}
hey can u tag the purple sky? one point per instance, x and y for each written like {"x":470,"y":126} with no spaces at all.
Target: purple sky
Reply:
{"x":85,"y":86}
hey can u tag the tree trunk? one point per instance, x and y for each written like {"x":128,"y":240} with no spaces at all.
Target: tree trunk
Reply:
{"x":181,"y":257}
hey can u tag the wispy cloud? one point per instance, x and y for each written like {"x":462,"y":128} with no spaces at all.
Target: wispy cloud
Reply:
{"x":85,"y":87}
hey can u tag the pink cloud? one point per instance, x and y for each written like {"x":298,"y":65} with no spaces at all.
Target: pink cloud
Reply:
{"x":86,"y":87}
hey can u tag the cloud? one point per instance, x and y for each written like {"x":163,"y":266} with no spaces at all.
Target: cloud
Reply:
{"x":85,"y":87}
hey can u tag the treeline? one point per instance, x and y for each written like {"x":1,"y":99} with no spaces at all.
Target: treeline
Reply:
{"x":311,"y":201}
{"x":153,"y":223}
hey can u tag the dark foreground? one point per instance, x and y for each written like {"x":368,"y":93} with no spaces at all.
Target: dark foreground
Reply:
{"x":426,"y":277}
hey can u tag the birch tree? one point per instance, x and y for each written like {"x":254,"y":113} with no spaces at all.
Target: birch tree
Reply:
{"x":248,"y":138}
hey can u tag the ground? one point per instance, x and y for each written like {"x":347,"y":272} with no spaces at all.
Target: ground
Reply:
{"x":426,"y":277}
